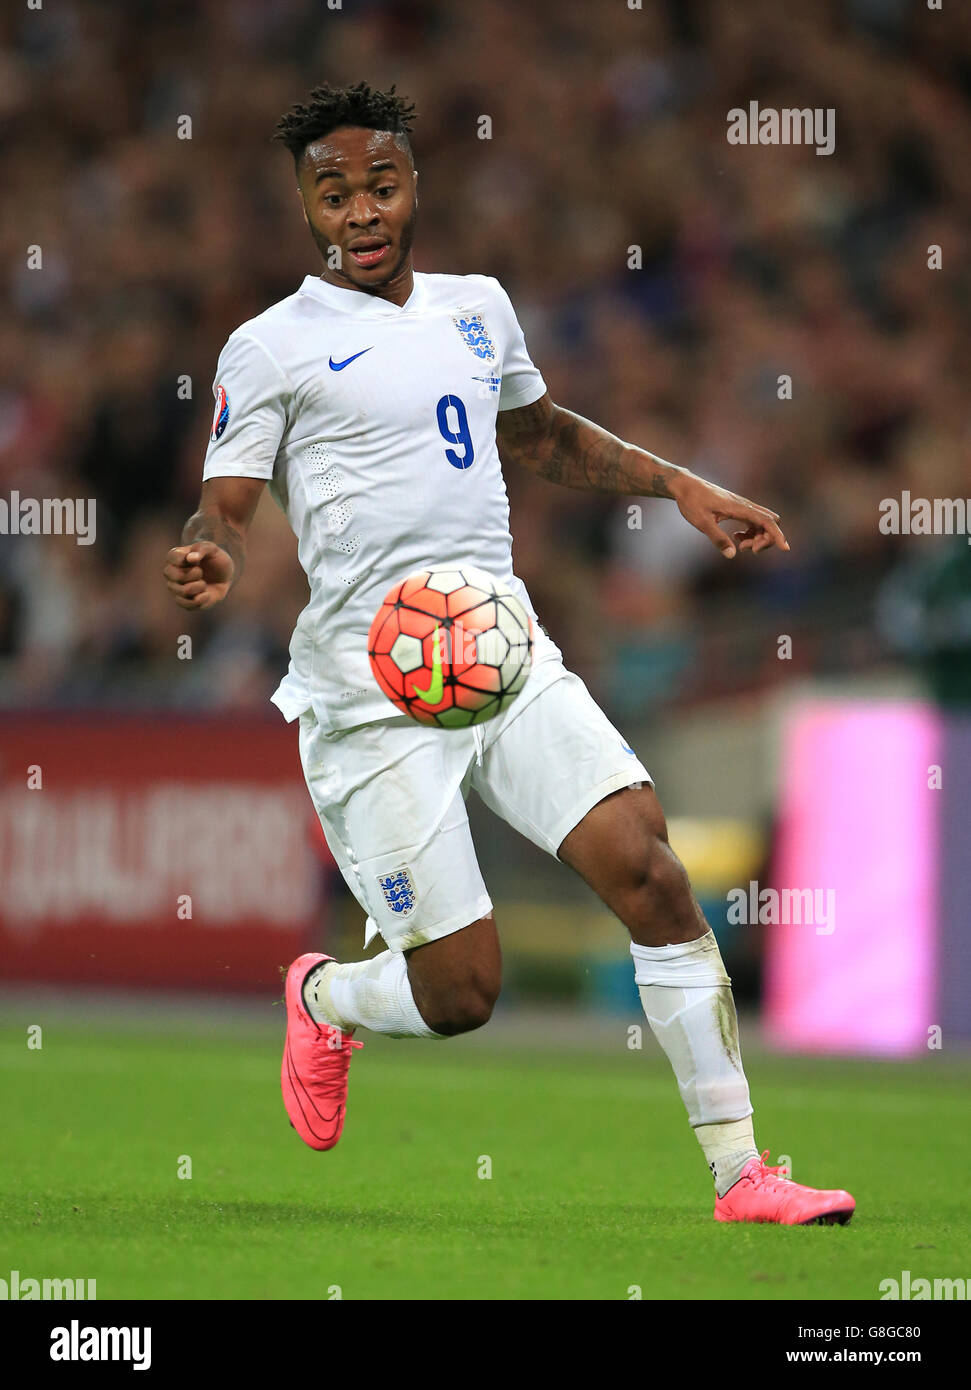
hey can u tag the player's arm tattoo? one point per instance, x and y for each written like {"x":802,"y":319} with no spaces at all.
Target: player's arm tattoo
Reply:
{"x":569,"y":450}
{"x":224,"y":514}
{"x":212,"y":526}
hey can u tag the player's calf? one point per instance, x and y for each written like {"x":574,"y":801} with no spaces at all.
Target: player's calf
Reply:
{"x":445,"y":987}
{"x":455,"y":981}
{"x":655,"y":898}
{"x":621,"y":849}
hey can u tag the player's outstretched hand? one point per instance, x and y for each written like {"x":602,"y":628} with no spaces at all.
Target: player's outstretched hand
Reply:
{"x":198,"y":575}
{"x":705,"y":505}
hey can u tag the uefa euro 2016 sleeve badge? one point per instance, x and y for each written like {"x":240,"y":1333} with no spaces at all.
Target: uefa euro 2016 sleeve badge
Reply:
{"x":475,"y":335}
{"x":220,"y":416}
{"x":399,"y":890}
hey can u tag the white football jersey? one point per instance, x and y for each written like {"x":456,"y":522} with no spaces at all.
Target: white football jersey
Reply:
{"x":375,"y":427}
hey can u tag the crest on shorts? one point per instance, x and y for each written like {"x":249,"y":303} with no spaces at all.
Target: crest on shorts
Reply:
{"x":399,"y":890}
{"x":474,"y":333}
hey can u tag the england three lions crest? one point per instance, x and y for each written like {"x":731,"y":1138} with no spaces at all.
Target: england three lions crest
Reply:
{"x":475,"y":335}
{"x":399,"y":890}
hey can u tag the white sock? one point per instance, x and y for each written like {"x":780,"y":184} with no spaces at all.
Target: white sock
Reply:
{"x":728,"y":1147}
{"x":687,"y":1000}
{"x":374,"y":994}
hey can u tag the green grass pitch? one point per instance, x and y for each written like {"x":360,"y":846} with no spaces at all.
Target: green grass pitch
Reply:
{"x":597,"y":1183}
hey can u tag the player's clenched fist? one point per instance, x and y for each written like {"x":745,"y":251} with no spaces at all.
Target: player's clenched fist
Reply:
{"x":198,"y":575}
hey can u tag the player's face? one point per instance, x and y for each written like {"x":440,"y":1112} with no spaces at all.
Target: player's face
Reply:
{"x":359,"y":195}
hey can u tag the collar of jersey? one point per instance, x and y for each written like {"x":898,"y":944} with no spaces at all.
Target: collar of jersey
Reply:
{"x":360,"y":304}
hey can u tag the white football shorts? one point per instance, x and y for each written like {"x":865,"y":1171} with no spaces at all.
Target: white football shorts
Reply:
{"x":391,"y":799}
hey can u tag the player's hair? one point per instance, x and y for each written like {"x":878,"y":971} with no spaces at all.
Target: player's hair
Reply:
{"x":329,"y":107}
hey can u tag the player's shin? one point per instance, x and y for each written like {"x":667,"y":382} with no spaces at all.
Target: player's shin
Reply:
{"x":687,"y":999}
{"x":374,"y":994}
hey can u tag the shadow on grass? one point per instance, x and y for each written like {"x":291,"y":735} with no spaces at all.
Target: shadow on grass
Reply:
{"x":111,"y":1217}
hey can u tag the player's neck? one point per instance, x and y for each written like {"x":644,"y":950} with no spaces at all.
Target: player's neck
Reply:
{"x":397,"y":290}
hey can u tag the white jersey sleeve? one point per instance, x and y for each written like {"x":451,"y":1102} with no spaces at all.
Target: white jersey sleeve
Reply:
{"x":522,"y":383}
{"x":253,"y":397}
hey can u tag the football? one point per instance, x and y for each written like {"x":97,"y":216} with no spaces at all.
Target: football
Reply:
{"x":451,"y":646}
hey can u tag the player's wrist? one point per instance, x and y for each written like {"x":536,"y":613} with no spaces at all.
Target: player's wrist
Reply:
{"x":668,"y":480}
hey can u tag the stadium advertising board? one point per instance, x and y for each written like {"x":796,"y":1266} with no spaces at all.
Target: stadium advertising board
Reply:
{"x":143,"y":851}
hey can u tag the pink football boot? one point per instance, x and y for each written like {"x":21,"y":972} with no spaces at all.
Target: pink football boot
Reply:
{"x":316,"y":1057}
{"x":761,"y":1194}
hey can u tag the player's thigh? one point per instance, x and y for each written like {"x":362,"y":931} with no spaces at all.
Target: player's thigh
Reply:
{"x":390,"y":800}
{"x":544,"y":770}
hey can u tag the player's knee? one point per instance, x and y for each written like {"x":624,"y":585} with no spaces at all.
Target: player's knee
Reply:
{"x":657,"y":875}
{"x":455,"y":980}
{"x":467,"y":1005}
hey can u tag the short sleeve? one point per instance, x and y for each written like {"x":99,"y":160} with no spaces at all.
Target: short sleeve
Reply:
{"x":522,"y":383}
{"x":252,"y":398}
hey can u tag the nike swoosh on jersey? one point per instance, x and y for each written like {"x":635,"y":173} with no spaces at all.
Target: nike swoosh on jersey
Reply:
{"x":339,"y":366}
{"x":433,"y":694}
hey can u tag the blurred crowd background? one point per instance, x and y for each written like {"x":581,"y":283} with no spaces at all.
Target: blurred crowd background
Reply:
{"x":608,"y":132}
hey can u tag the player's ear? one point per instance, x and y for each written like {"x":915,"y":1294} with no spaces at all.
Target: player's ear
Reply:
{"x":414,"y":175}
